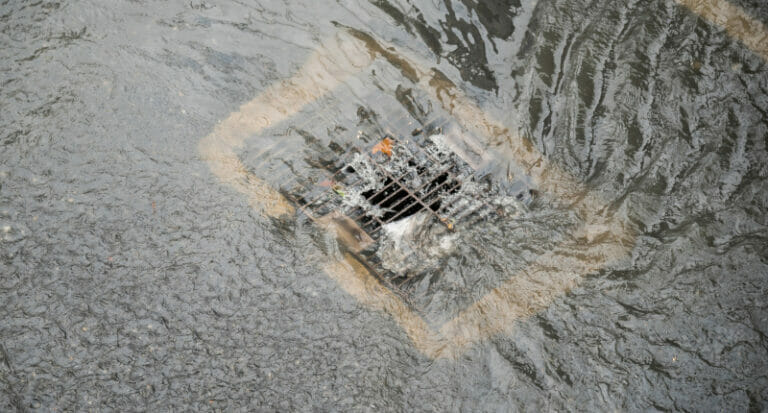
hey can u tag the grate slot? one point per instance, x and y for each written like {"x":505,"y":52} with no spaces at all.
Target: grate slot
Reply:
{"x":421,"y":174}
{"x":411,"y":195}
{"x":403,"y":211}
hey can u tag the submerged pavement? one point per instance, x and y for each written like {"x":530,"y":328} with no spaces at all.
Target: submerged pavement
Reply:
{"x":147,"y":263}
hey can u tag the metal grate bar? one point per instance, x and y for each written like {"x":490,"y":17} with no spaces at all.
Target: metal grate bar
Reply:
{"x":414,"y":196}
{"x":394,"y":182}
{"x":420,"y":188}
{"x":417,"y":189}
{"x":447,"y":180}
{"x":355,"y":150}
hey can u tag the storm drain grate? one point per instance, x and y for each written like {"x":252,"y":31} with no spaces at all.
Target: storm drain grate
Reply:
{"x":397,"y":179}
{"x":367,"y":189}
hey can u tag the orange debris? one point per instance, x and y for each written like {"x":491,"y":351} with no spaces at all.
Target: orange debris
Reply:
{"x":385,"y":147}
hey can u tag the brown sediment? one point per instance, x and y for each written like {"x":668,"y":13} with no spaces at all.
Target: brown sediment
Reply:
{"x":321,"y":73}
{"x":523,"y":295}
{"x":736,"y":22}
{"x":358,"y":282}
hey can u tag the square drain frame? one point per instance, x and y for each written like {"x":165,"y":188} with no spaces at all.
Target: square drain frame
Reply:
{"x":602,"y":239}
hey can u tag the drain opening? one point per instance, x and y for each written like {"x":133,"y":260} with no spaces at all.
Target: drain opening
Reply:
{"x":371,"y":188}
{"x":398,"y":185}
{"x":398,"y":201}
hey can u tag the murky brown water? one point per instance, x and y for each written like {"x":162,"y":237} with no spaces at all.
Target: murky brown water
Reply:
{"x":147,"y":264}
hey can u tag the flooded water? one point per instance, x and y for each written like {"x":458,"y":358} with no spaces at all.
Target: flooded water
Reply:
{"x":148,"y":260}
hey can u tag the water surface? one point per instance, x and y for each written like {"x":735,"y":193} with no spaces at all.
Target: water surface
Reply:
{"x":133,"y":278}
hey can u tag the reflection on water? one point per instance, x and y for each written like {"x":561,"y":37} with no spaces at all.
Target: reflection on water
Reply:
{"x":132,"y":276}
